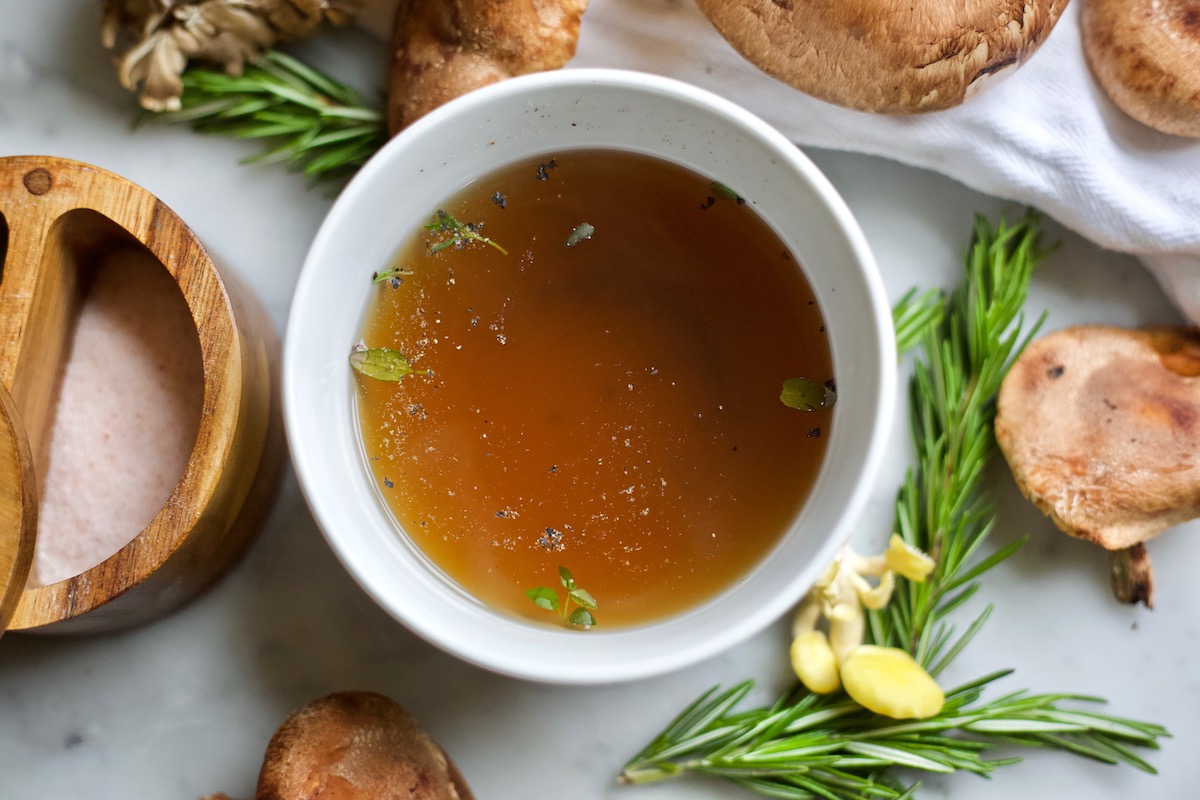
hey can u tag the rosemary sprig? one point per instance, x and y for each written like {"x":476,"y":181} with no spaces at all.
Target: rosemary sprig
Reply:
{"x":826,"y":746}
{"x":306,"y":119}
{"x":965,"y":352}
{"x":807,"y":745}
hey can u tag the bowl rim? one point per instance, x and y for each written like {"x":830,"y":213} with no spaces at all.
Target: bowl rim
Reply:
{"x":681,"y":653}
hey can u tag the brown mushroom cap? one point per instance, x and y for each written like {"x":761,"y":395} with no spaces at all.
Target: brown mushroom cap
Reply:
{"x":1146,"y":55}
{"x":356,"y":746}
{"x":885,"y":56}
{"x":445,"y":48}
{"x":1101,"y":427}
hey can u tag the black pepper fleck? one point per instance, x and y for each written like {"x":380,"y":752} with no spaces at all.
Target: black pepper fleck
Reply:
{"x":500,"y":200}
{"x":814,"y":433}
{"x":551,"y":540}
{"x":1056,"y":372}
{"x":388,"y":483}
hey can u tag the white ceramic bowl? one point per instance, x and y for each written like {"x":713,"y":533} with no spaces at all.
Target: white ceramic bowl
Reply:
{"x":537,"y":115}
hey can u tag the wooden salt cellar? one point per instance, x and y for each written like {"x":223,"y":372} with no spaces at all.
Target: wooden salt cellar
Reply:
{"x":57,"y":218}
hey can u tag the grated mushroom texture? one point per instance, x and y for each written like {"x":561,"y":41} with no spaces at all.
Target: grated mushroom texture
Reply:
{"x":1101,"y":429}
{"x":356,"y":746}
{"x":166,"y":34}
{"x":445,"y":48}
{"x":1146,"y":56}
{"x":885,"y":56}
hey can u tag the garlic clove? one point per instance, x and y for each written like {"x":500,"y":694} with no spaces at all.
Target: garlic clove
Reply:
{"x":907,"y":560}
{"x":847,"y":632}
{"x":814,"y":663}
{"x":876,"y":597}
{"x":888,"y":681}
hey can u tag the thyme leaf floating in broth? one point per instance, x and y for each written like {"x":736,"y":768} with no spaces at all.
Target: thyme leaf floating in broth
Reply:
{"x":547,"y":598}
{"x":461,"y":234}
{"x":805,"y":394}
{"x":384,"y":364}
{"x":723,"y":191}
{"x":394,"y":274}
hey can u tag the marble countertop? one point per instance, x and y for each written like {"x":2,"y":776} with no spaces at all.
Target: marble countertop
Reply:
{"x":184,"y":706}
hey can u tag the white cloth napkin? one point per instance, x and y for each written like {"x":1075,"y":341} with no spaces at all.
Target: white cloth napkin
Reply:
{"x":1046,"y":136}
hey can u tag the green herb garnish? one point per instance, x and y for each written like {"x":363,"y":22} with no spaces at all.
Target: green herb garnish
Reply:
{"x":805,"y":394}
{"x":827,"y":746}
{"x":461,"y":234}
{"x":306,"y":119}
{"x":547,"y":598}
{"x":581,"y":232}
{"x":384,"y":364}
{"x":394,"y":273}
{"x":724,"y":191}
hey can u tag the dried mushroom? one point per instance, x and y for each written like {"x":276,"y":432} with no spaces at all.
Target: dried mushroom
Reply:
{"x":887,"y":57}
{"x":445,"y":48}
{"x":166,"y":34}
{"x":1146,"y":55}
{"x":1101,"y":428}
{"x":356,"y":746}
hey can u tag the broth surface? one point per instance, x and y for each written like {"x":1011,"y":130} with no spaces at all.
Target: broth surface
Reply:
{"x":612,"y":406}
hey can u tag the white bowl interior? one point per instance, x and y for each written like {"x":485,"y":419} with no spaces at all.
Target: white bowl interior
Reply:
{"x":538,"y":115}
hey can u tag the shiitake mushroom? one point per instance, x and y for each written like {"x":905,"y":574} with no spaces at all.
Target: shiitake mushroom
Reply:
{"x":1146,"y":56}
{"x":1101,"y":428}
{"x":356,"y":746}
{"x":885,"y":56}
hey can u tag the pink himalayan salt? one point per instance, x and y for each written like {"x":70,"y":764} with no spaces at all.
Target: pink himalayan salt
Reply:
{"x":126,"y":419}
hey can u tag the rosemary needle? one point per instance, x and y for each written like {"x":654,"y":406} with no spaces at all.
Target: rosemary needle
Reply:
{"x":826,"y":746}
{"x":306,"y":120}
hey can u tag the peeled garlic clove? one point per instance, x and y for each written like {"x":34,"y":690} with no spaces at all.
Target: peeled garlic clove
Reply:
{"x":907,"y":560}
{"x":814,"y":663}
{"x":888,"y":681}
{"x":876,"y":597}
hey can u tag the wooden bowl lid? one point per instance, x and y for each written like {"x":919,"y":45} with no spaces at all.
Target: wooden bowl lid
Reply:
{"x":18,"y":508}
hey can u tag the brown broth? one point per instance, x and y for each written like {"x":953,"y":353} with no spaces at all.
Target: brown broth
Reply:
{"x":612,"y":407}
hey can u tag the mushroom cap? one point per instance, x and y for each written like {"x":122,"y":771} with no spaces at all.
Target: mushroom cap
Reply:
{"x":441,"y":50}
{"x":885,"y":55}
{"x":1101,"y":428}
{"x":356,"y":746}
{"x":1146,"y":55}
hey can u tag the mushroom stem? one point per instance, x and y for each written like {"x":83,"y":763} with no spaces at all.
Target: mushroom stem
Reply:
{"x":1131,"y":575}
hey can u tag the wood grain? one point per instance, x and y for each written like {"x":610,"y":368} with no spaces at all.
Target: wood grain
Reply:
{"x":18,"y":508}
{"x":62,"y":217}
